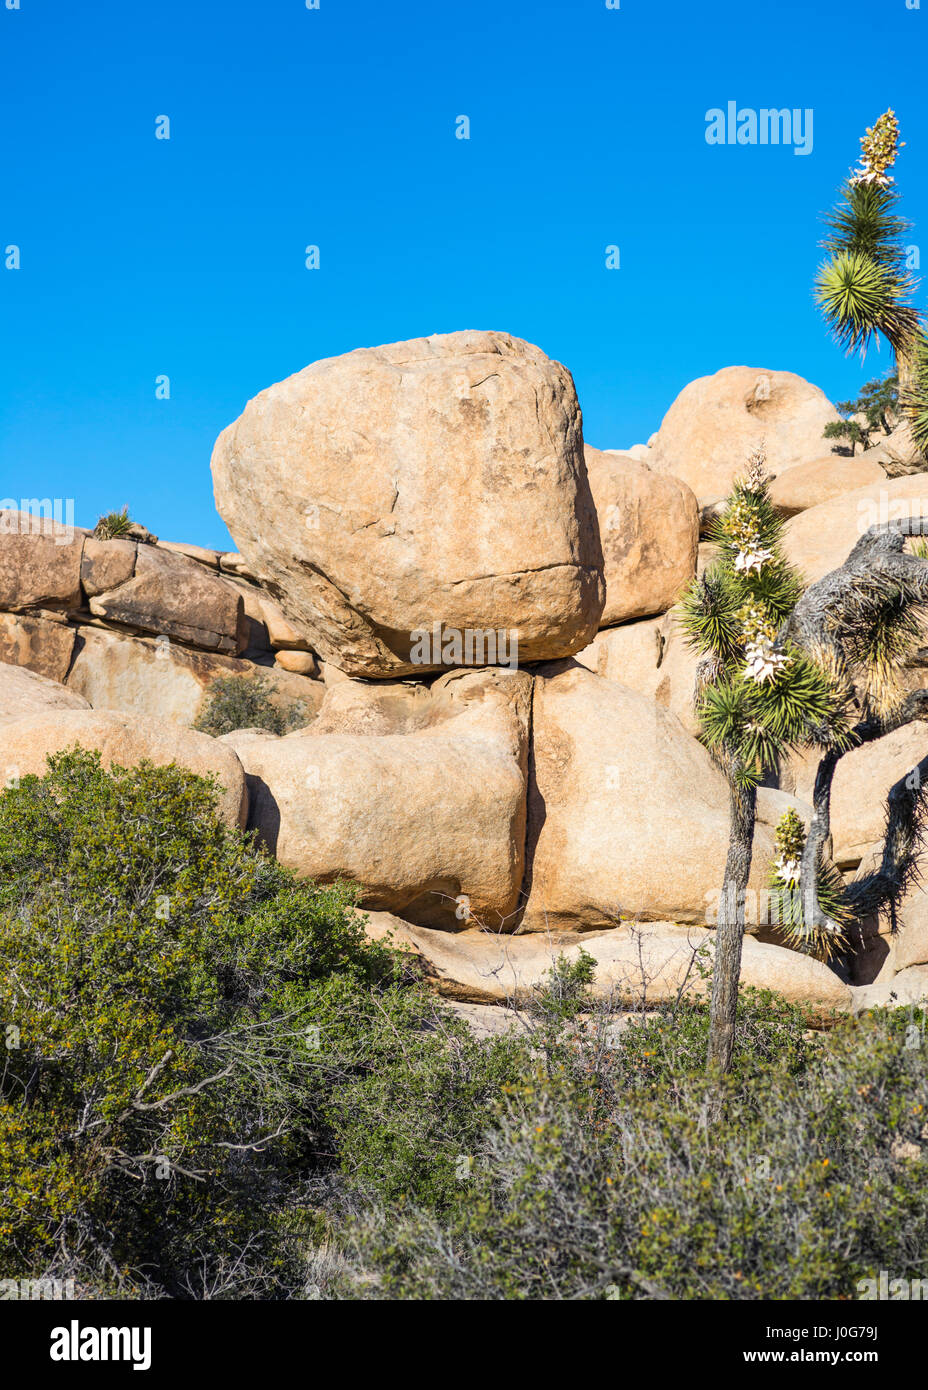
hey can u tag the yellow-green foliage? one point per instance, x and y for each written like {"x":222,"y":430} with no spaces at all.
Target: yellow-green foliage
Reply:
{"x":158,"y":978}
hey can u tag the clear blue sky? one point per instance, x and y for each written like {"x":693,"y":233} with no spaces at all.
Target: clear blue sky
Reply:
{"x":336,"y":127}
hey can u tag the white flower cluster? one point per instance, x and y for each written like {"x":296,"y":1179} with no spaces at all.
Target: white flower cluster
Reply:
{"x":752,"y":557}
{"x":879,"y":148}
{"x":763,"y":662}
{"x":788,"y":870}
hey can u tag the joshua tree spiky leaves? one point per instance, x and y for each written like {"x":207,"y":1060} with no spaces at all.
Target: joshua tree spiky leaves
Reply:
{"x":757,"y":697}
{"x":782,"y":669}
{"x":864,"y":287}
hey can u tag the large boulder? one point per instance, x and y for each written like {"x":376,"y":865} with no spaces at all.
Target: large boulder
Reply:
{"x":820,"y":539}
{"x":437,"y":481}
{"x":40,"y":562}
{"x":24,"y":692}
{"x":25,"y":744}
{"x":628,"y":815}
{"x":164,"y":592}
{"x":716,"y":421}
{"x":639,"y":966}
{"x":416,"y":793}
{"x":649,"y":528}
{"x":149,"y":676}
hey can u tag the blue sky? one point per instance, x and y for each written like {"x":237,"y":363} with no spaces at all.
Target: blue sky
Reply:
{"x":336,"y":127}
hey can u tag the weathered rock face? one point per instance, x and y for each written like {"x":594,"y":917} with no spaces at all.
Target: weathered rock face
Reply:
{"x":416,"y":793}
{"x":646,"y":964}
{"x":440,"y":480}
{"x":652,"y":657}
{"x":146,"y":676}
{"x":649,"y":528}
{"x":167,"y":594}
{"x":23,"y":692}
{"x":25,"y":744}
{"x":43,"y":643}
{"x":810,"y":484}
{"x":820,"y":539}
{"x":40,"y":563}
{"x":628,"y":816}
{"x":716,"y":421}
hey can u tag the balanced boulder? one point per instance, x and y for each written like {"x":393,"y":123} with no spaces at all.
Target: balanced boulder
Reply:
{"x":437,"y":481}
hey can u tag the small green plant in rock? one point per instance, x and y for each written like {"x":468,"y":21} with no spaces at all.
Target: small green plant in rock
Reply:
{"x":113,"y":525}
{"x":247,"y":702}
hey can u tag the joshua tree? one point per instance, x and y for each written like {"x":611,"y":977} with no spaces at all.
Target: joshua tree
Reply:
{"x":864,"y":287}
{"x":783,"y":669}
{"x":757,"y":698}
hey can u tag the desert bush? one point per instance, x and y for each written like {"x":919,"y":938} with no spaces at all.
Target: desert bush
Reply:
{"x":161,"y":993}
{"x":247,"y":702}
{"x":596,"y":1183}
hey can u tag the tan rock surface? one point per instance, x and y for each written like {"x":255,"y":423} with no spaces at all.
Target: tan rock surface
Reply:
{"x":649,"y":528}
{"x":171,"y":594}
{"x":810,"y":484}
{"x":25,"y":692}
{"x":716,"y":421}
{"x":150,"y":676}
{"x":437,"y":480}
{"x":40,"y":563}
{"x":817,"y":541}
{"x":628,"y":816}
{"x":640,"y":965}
{"x":39,"y":642}
{"x":417,"y":794}
{"x":25,"y":744}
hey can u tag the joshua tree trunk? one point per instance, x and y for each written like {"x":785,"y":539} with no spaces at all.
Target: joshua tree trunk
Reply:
{"x":815,"y":625}
{"x":729,"y":931}
{"x":907,"y":366}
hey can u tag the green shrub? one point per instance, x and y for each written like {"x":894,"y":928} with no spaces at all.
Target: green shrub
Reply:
{"x":247,"y":702}
{"x":597,"y":1183}
{"x":161,"y":1087}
